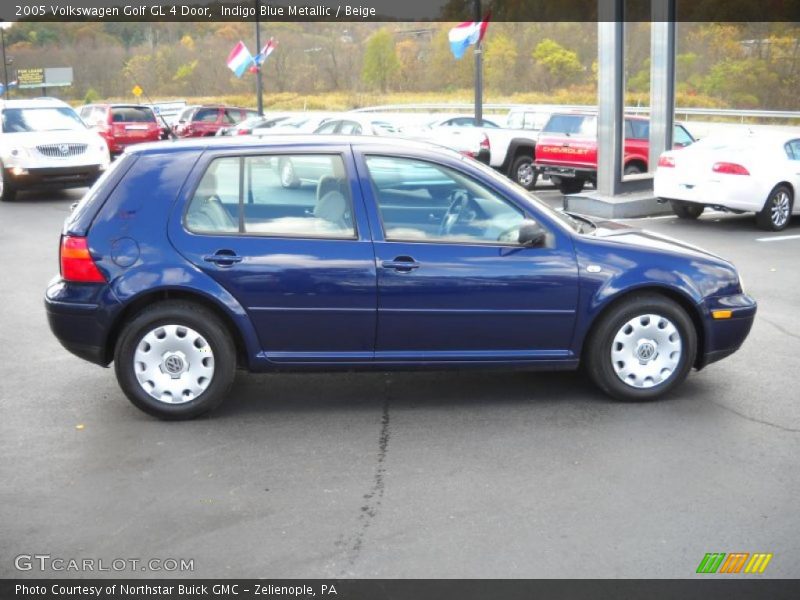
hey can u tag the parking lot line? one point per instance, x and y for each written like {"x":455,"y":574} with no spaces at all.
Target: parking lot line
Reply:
{"x":778,"y":238}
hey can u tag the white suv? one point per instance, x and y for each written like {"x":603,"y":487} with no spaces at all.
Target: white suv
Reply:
{"x":45,"y":144}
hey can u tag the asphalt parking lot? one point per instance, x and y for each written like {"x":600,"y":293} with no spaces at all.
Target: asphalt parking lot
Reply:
{"x":468,"y":474}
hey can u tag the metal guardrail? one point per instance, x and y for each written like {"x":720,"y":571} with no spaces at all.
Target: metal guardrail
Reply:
{"x":495,"y":107}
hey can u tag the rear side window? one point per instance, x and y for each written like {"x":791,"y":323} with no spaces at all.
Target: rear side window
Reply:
{"x":639,"y":130}
{"x":301,"y":195}
{"x":132,"y":114}
{"x":206,"y":115}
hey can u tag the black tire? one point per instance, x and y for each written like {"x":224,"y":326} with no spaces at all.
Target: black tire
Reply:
{"x":186,"y":314}
{"x":287,"y":173}
{"x":777,"y":212}
{"x":598,"y":347}
{"x":523,"y":172}
{"x":570,"y":186}
{"x":686,"y":210}
{"x":633,"y":169}
{"x":7,"y":193}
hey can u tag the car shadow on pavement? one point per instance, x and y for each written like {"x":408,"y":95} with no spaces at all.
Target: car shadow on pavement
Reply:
{"x":262,"y":394}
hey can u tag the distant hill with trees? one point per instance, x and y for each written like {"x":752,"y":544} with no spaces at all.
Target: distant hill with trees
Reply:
{"x":742,"y":65}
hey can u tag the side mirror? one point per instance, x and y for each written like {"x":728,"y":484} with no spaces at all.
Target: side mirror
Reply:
{"x":531,"y":234}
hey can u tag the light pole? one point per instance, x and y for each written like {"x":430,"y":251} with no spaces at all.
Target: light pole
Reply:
{"x":3,"y":26}
{"x":259,"y":82}
{"x":478,"y":71}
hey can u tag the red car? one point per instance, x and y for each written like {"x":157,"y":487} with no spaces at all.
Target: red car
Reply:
{"x":567,"y":148}
{"x":201,"y":121}
{"x":122,"y":125}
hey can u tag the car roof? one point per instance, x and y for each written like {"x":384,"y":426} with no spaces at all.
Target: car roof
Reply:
{"x":278,"y":140}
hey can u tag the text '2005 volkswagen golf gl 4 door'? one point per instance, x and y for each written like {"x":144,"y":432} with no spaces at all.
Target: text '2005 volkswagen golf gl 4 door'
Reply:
{"x":190,"y":259}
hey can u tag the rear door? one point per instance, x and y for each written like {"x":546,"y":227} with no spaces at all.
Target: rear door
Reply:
{"x":299,"y":260}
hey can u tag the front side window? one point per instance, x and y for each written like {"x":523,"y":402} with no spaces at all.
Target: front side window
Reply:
{"x":681,"y":137}
{"x":424,"y":202}
{"x":301,"y":195}
{"x":350,"y":128}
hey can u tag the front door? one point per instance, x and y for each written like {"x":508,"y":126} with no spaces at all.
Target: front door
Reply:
{"x":296,"y":254}
{"x":454,"y":284}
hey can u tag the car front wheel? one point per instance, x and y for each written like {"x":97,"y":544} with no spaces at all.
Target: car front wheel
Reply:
{"x":175,"y":360}
{"x":7,"y":193}
{"x":642,"y":348}
{"x":777,"y":211}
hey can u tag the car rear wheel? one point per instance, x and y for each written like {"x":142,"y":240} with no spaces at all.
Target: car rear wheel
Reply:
{"x":175,"y":360}
{"x":524,"y":173}
{"x":7,"y":193}
{"x":633,"y":169}
{"x":570,"y":186}
{"x":642,"y":348}
{"x":686,"y":210}
{"x":777,"y":211}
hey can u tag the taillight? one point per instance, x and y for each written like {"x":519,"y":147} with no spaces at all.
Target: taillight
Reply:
{"x":666,"y":161}
{"x":76,"y":262}
{"x":485,"y":145}
{"x":243,"y":132}
{"x":729,"y":169}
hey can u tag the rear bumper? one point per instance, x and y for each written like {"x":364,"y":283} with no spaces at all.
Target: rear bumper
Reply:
{"x":79,"y":317}
{"x":565,"y":172}
{"x":52,"y":177}
{"x":726,"y":336}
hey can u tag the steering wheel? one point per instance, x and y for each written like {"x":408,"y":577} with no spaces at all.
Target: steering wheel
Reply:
{"x":459,"y":203}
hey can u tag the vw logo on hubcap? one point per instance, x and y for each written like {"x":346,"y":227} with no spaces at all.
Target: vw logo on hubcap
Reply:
{"x":173,"y":364}
{"x":646,"y":351}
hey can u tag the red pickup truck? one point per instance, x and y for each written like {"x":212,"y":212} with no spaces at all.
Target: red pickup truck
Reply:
{"x":567,"y":148}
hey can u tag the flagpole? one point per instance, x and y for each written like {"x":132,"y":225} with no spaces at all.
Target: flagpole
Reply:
{"x":259,"y":82}
{"x":478,"y":71}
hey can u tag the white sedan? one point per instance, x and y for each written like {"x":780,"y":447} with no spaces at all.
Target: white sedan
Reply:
{"x":756,"y":172}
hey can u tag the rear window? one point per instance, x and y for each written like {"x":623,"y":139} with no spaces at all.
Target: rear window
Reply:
{"x":132,"y":114}
{"x":571,"y":124}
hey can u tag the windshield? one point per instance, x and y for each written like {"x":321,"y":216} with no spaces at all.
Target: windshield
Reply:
{"x":51,"y":118}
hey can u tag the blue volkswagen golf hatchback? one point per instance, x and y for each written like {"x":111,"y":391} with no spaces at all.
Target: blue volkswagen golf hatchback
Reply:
{"x":190,"y":259}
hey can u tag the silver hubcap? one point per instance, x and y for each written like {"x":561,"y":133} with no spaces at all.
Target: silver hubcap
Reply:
{"x":646,"y":351}
{"x":525,"y":174}
{"x":779,"y":211}
{"x":173,"y":364}
{"x":287,"y":173}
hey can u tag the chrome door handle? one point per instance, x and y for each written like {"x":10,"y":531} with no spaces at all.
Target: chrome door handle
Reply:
{"x":223,"y":258}
{"x":401,"y":263}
